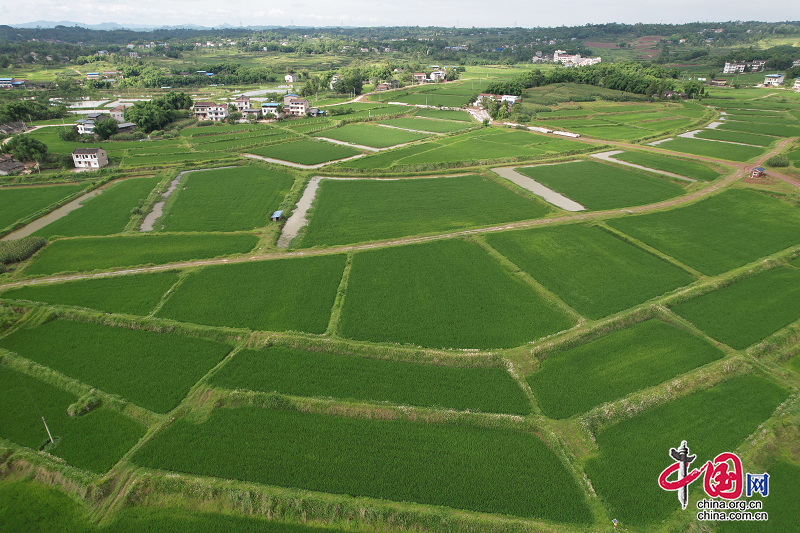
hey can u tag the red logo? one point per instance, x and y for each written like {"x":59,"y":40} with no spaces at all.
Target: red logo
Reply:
{"x":723,"y":475}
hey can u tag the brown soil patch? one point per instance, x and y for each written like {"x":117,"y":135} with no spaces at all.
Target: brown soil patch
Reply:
{"x":763,"y":180}
{"x":600,"y":45}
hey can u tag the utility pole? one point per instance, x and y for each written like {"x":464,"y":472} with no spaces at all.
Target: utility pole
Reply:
{"x":45,"y":423}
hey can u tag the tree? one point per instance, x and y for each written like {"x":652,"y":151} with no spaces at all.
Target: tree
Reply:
{"x":25,"y":148}
{"x":68,"y":134}
{"x":106,"y":128}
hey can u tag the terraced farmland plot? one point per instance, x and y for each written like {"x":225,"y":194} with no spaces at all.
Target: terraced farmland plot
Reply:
{"x":445,"y":114}
{"x":276,"y":295}
{"x":708,"y":420}
{"x":779,"y":130}
{"x":369,"y":135}
{"x":748,"y":311}
{"x":443,"y":294}
{"x":302,"y":373}
{"x":387,"y":159}
{"x":421,"y":124}
{"x":594,"y":272}
{"x":611,"y":132}
{"x":132,"y":295}
{"x":719,"y":233}
{"x":458,"y":466}
{"x":682,"y":167}
{"x":737,"y":137}
{"x":780,"y":505}
{"x":21,"y":202}
{"x":152,"y":370}
{"x":105,"y":214}
{"x":438,"y":98}
{"x":364,"y":210}
{"x":112,"y":252}
{"x":598,"y":186}
{"x":717,"y":150}
{"x":94,"y":441}
{"x":227,"y":199}
{"x":604,"y":370}
{"x":139,"y":161}
{"x":305,"y":152}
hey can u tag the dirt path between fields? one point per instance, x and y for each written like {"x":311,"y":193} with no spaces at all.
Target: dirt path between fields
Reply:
{"x":298,"y":165}
{"x":538,"y":189}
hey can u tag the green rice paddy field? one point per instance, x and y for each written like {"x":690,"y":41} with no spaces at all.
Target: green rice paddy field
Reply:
{"x":306,"y":152}
{"x":593,"y":271}
{"x":717,"y":150}
{"x":364,"y":210}
{"x":21,"y":202}
{"x":420,"y":294}
{"x":682,"y":167}
{"x":369,"y":135}
{"x":458,"y":466}
{"x":302,"y":373}
{"x":598,"y":186}
{"x":708,"y":420}
{"x":70,"y":255}
{"x":719,"y":233}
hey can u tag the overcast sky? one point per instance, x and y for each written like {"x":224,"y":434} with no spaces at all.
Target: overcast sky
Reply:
{"x":463,"y":13}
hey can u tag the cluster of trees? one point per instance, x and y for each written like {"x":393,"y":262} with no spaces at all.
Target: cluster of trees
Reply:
{"x":25,"y":148}
{"x":777,"y":57}
{"x":630,"y":76}
{"x":159,"y":112}
{"x":26,"y":110}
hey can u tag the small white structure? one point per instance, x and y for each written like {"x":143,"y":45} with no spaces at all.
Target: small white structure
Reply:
{"x":773,"y":80}
{"x":89,"y":157}
{"x":438,"y":75}
{"x":796,"y":85}
{"x":560,"y":56}
{"x":290,"y":78}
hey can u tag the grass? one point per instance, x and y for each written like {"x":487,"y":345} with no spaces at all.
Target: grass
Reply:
{"x":33,"y":506}
{"x":364,"y":210}
{"x":305,"y":152}
{"x":276,"y":295}
{"x":718,"y":150}
{"x":421,"y":124}
{"x":443,"y":294}
{"x":719,"y":233}
{"x":113,"y":252}
{"x":710,"y":421}
{"x":746,"y":312}
{"x":94,"y":441}
{"x":133,"y":295}
{"x":105,"y":214}
{"x":139,"y":161}
{"x":369,"y":135}
{"x":779,"y":130}
{"x":737,"y":137}
{"x":598,"y":186}
{"x":152,"y":370}
{"x":613,"y":366}
{"x":446,"y":114}
{"x":387,"y":159}
{"x":230,"y":199}
{"x":458,"y":466}
{"x":22,"y":202}
{"x":302,"y":373}
{"x":682,"y":167}
{"x":594,"y":272}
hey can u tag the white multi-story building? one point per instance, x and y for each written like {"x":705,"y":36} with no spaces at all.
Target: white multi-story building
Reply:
{"x":242,"y":103}
{"x":560,"y":56}
{"x":89,"y":157}
{"x":796,"y":85}
{"x":211,"y":111}
{"x":290,"y":78}
{"x":298,"y":106}
{"x":733,"y":68}
{"x":773,"y":79}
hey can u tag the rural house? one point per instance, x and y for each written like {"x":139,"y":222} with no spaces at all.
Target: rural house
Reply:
{"x":298,"y":106}
{"x":242,"y":103}
{"x":211,"y":111}
{"x":89,"y":157}
{"x":420,"y":77}
{"x":757,"y":172}
{"x":118,"y":113}
{"x":290,"y":78}
{"x":773,"y":80}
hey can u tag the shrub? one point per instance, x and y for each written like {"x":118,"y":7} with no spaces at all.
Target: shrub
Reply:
{"x":19,"y":249}
{"x":778,"y":161}
{"x":85,"y":404}
{"x":135,"y":136}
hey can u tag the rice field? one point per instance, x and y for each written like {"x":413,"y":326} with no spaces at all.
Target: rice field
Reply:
{"x":21,"y":202}
{"x":302,"y":373}
{"x":365,"y":210}
{"x":275,"y":295}
{"x":682,"y":167}
{"x":646,"y":354}
{"x":306,"y":152}
{"x":71,"y":255}
{"x":425,"y":125}
{"x":593,"y":271}
{"x":105,"y":214}
{"x":152,"y":370}
{"x":444,"y":114}
{"x":598,"y":186}
{"x":708,"y":420}
{"x":719,"y":233}
{"x":746,"y":312}
{"x":444,"y":294}
{"x":132,"y":295}
{"x":229,"y":199}
{"x":718,"y":150}
{"x":737,"y":137}
{"x":779,"y":130}
{"x":458,"y":466}
{"x":94,"y":441}
{"x":371,"y":135}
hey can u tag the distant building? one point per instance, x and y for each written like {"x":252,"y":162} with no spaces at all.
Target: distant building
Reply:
{"x":560,"y":56}
{"x":420,"y":77}
{"x":757,"y":172}
{"x":796,"y":85}
{"x":89,"y":158}
{"x":94,"y":76}
{"x":270,"y":107}
{"x":251,"y":111}
{"x":382,"y":87}
{"x":276,"y":216}
{"x":86,"y":125}
{"x":242,"y":103}
{"x":298,"y":106}
{"x":796,"y":63}
{"x":733,"y":68}
{"x":118,"y":113}
{"x":438,"y":75}
{"x":773,"y":80}
{"x":8,"y":164}
{"x":288,"y":98}
{"x":210,"y":111}
{"x":290,"y":78}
